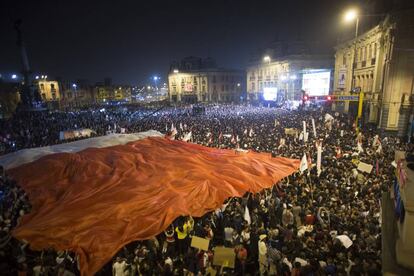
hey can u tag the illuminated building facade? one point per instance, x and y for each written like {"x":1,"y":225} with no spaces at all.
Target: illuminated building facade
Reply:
{"x":383,"y":70}
{"x":48,"y":90}
{"x":281,"y":77}
{"x":199,"y":80}
{"x":105,"y":93}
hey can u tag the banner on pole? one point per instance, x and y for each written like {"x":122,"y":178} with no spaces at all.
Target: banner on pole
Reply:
{"x":313,"y":127}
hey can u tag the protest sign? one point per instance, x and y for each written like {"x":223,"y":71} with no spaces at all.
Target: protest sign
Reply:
{"x":224,"y":256}
{"x":364,"y":167}
{"x":200,"y":243}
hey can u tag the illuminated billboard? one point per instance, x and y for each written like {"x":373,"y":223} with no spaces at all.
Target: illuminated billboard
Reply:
{"x":316,"y":83}
{"x":270,"y":93}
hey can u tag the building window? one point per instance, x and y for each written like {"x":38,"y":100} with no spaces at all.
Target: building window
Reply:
{"x":374,"y":51}
{"x":344,"y":59}
{"x":52,"y":86}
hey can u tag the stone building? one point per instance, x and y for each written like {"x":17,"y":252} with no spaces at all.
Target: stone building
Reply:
{"x":281,"y":69}
{"x":383,"y":70}
{"x":200,"y":80}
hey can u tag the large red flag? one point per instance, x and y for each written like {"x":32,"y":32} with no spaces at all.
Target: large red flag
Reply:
{"x":97,"y":200}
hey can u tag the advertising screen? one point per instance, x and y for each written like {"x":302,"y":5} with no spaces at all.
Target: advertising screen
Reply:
{"x":316,"y":84}
{"x":270,"y":93}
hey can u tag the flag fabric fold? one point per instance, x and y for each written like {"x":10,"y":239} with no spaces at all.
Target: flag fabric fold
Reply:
{"x":97,"y":200}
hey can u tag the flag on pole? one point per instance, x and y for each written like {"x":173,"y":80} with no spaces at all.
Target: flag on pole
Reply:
{"x":233,"y":139}
{"x":319,"y":159}
{"x":303,"y":164}
{"x":314,"y":127}
{"x":173,"y":132}
{"x":305,"y":137}
{"x":247,"y":216}
{"x":220,"y":138}
{"x":187,"y":137}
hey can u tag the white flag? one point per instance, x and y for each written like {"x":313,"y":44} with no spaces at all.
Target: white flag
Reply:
{"x":360,"y":149}
{"x":313,"y":127}
{"x":319,"y":158}
{"x":305,"y":137}
{"x":251,"y":132}
{"x":173,"y":132}
{"x":187,"y":137}
{"x":247,"y":215}
{"x":303,"y":164}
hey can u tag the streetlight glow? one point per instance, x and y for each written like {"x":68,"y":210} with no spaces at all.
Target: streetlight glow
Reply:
{"x":176,"y":71}
{"x":74,"y":85}
{"x":266,"y":59}
{"x":14,"y":76}
{"x":351,"y":15}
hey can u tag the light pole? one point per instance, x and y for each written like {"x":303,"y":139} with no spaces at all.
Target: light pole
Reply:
{"x":350,"y":16}
{"x":76,"y":92}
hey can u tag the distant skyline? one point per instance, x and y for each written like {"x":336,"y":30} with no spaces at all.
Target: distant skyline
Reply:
{"x":131,"y":41}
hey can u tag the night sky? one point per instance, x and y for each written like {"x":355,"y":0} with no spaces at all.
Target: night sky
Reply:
{"x":131,"y":41}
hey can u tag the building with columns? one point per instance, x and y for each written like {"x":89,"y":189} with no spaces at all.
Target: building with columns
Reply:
{"x":195,"y":80}
{"x":383,"y":70}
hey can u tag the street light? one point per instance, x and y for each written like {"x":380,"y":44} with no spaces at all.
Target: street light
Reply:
{"x":351,"y":15}
{"x":266,"y":59}
{"x":76,"y":92}
{"x":14,"y":76}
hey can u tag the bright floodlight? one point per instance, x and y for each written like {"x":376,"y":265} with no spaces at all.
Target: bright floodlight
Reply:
{"x":238,"y":85}
{"x":14,"y":76}
{"x":350,"y":15}
{"x":74,"y":85}
{"x":149,"y":87}
{"x":37,"y":77}
{"x":176,"y":71}
{"x":156,"y":78}
{"x":266,"y":59}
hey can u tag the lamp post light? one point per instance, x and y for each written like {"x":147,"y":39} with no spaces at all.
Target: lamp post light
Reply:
{"x":352,"y":15}
{"x":76,"y":92}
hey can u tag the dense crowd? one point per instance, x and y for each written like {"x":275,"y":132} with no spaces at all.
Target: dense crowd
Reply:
{"x":314,"y":222}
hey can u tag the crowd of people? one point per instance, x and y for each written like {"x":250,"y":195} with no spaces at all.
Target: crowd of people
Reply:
{"x":325,"y":220}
